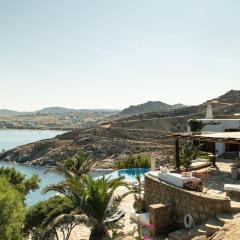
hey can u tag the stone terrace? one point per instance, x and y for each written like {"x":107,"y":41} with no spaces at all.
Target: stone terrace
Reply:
{"x":217,"y":177}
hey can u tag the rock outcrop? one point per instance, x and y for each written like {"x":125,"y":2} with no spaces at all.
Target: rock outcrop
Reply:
{"x":101,"y":142}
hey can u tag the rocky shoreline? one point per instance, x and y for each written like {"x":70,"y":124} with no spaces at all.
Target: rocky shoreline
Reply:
{"x":103,"y":143}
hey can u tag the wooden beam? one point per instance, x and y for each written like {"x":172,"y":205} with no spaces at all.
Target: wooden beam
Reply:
{"x":177,"y":157}
{"x":207,"y":138}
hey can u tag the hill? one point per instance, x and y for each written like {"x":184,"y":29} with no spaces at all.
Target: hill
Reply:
{"x":54,"y":110}
{"x":232,"y":96}
{"x":7,"y":112}
{"x":54,"y":118}
{"x":146,"y":133}
{"x":151,"y":106}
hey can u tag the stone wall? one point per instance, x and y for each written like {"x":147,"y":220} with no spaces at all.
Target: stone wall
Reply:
{"x":161,"y":218}
{"x":201,"y":206}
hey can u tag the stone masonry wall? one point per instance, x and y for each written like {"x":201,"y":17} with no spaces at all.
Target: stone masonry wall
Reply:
{"x":200,"y":206}
{"x":161,"y":217}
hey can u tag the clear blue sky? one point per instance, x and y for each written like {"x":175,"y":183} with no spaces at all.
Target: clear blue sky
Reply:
{"x":113,"y":53}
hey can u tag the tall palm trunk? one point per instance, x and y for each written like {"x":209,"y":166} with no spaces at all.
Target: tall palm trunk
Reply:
{"x":98,"y":233}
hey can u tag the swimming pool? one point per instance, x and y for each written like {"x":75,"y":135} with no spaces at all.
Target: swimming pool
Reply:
{"x":129,"y":174}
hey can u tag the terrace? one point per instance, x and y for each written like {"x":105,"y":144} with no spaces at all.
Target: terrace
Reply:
{"x":169,"y":203}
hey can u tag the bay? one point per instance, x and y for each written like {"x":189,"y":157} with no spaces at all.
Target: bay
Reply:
{"x":10,"y":138}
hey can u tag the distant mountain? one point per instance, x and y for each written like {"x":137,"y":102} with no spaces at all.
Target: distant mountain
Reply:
{"x":55,"y":110}
{"x":7,"y":112}
{"x":178,"y":105}
{"x":61,"y":110}
{"x":151,"y":106}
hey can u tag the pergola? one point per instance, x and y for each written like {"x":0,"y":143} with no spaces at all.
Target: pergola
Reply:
{"x":213,"y":137}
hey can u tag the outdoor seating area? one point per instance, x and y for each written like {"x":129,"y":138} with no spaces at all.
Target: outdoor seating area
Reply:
{"x":206,"y":188}
{"x":199,"y":163}
{"x":177,"y":179}
{"x":219,"y":180}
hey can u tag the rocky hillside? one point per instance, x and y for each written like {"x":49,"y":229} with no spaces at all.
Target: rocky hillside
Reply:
{"x":147,"y":107}
{"x":103,"y":142}
{"x":221,"y":104}
{"x":148,"y":132}
{"x":225,"y":106}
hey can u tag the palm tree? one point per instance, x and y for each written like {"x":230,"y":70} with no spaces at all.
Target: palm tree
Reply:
{"x":77,"y":165}
{"x":63,"y":223}
{"x":96,"y":200}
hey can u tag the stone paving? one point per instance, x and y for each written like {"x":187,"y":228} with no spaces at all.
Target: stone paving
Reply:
{"x":217,"y":177}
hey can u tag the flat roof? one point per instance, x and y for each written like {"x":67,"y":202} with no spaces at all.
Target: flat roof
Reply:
{"x":226,"y":137}
{"x":219,"y":119}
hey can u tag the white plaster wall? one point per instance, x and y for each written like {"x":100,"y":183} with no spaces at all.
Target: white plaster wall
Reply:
{"x":221,"y":126}
{"x":220,"y":148}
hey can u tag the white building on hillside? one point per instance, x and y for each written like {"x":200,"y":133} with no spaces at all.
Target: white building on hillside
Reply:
{"x":220,"y":126}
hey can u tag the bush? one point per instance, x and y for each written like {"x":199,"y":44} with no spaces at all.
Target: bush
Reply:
{"x":39,"y":215}
{"x":12,"y":212}
{"x":19,"y":181}
{"x":134,"y":161}
{"x":195,"y":125}
{"x":189,"y":152}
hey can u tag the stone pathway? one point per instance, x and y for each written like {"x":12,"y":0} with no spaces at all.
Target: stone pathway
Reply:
{"x":217,"y":177}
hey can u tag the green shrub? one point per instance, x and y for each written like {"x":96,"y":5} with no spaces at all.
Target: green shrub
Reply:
{"x":12,"y":212}
{"x":189,"y":152}
{"x":134,"y":161}
{"x":195,"y":125}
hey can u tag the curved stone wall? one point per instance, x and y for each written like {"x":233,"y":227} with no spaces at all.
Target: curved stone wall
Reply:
{"x":201,"y":206}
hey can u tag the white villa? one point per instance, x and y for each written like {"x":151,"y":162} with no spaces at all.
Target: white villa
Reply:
{"x":227,"y":128}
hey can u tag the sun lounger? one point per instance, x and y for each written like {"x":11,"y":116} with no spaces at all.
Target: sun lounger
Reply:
{"x":115,"y":217}
{"x":176,"y":179}
{"x":199,"y":163}
{"x":142,"y":218}
{"x":154,"y":174}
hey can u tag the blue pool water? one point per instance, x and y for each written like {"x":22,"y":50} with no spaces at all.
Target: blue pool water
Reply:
{"x":52,"y":178}
{"x":129,"y":174}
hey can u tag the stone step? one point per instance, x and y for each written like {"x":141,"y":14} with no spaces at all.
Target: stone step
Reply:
{"x":183,"y":234}
{"x":224,"y":217}
{"x":235,"y":207}
{"x":212,"y":226}
{"x":202,"y":232}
